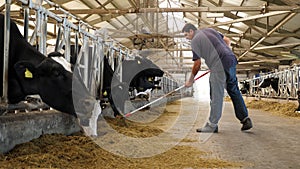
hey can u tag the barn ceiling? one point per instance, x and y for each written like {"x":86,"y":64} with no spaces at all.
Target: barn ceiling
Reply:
{"x":264,"y":33}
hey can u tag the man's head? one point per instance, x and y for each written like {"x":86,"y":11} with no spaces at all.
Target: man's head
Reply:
{"x":189,"y":31}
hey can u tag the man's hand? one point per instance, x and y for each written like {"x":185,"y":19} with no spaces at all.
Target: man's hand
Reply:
{"x":227,"y":41}
{"x":188,"y":83}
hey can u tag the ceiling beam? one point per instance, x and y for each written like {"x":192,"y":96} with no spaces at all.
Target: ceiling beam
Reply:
{"x":254,"y":26}
{"x":194,"y":9}
{"x":248,"y":35}
{"x":286,"y":19}
{"x":250,"y":18}
{"x":277,"y":2}
{"x":101,"y":6}
{"x":62,"y":1}
{"x":259,"y":61}
{"x":255,"y":49}
{"x":276,"y":46}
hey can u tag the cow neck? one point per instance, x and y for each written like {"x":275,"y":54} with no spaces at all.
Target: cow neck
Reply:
{"x":29,"y":53}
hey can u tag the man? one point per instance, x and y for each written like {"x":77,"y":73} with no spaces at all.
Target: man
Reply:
{"x":213,"y":47}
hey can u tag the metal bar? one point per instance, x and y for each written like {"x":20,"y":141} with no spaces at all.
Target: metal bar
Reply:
{"x":76,"y":47}
{"x":33,"y":37}
{"x":120,"y":66}
{"x":88,"y":34}
{"x":58,"y":38}
{"x":67,"y":44}
{"x":44,"y":35}
{"x":101,"y":65}
{"x":59,"y":19}
{"x":26,"y":22}
{"x":6,"y":50}
{"x":40,"y":30}
{"x":101,"y":54}
{"x":37,"y":7}
{"x":86,"y":60}
{"x":67,"y":23}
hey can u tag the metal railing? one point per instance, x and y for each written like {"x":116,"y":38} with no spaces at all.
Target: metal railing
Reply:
{"x":288,"y":84}
{"x":93,"y":44}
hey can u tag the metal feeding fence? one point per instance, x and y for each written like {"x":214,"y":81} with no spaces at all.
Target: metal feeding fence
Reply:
{"x":282,"y":84}
{"x":74,"y":38}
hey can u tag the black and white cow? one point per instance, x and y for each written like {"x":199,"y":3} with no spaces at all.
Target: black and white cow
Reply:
{"x":135,"y":75}
{"x":30,"y":73}
{"x":245,"y":87}
{"x":138,"y":71}
{"x":272,"y":81}
{"x":298,"y":98}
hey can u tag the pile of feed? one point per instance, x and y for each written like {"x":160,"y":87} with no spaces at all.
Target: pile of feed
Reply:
{"x":279,"y":107}
{"x":275,"y":107}
{"x":79,"y":151}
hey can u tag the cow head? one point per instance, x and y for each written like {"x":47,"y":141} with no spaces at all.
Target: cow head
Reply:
{"x":50,"y":80}
{"x":245,"y":88}
{"x":134,"y":75}
{"x":138,"y":68}
{"x":61,"y":90}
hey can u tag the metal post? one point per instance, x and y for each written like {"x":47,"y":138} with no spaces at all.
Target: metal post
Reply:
{"x":95,"y":59}
{"x":297,"y":78}
{"x":6,"y":50}
{"x":67,"y":43}
{"x":101,"y":65}
{"x":38,"y":29}
{"x":44,"y":35}
{"x":26,"y":22}
{"x":101,"y":55}
{"x":76,"y":45}
{"x":85,"y":60}
{"x":111,"y":57}
{"x":33,"y":37}
{"x":58,"y":38}
{"x":120,"y":66}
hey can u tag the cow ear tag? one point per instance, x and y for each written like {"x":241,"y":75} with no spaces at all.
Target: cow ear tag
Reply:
{"x":105,"y":93}
{"x":28,"y":74}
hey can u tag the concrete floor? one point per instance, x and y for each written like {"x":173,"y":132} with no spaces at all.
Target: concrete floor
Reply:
{"x":273,"y":142}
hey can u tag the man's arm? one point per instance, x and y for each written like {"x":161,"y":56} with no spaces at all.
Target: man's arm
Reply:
{"x":195,"y":69}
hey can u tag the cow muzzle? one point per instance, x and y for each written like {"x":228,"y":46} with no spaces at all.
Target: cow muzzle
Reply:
{"x":88,"y":119}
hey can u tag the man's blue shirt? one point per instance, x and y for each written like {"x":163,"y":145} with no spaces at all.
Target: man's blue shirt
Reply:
{"x":209,"y":44}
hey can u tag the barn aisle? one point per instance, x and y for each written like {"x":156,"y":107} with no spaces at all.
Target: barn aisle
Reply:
{"x":274,"y":142}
